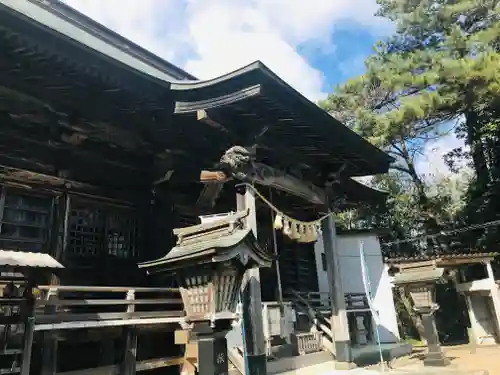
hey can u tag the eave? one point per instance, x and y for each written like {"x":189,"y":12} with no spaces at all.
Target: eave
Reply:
{"x":445,"y":260}
{"x":212,"y":242}
{"x":256,"y":105}
{"x":66,"y":23}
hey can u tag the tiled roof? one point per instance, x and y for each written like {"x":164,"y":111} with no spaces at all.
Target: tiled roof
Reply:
{"x":440,"y":257}
{"x":213,"y":239}
{"x":28,"y":260}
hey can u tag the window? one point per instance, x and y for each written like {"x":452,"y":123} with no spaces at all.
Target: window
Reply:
{"x":323,"y":262}
{"x":102,"y":230}
{"x":24,"y":220}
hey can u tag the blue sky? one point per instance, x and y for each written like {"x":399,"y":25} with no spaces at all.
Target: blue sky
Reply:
{"x":312,"y":44}
{"x":353,"y":43}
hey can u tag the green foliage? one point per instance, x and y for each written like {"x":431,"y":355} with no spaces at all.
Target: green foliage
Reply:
{"x":442,"y":64}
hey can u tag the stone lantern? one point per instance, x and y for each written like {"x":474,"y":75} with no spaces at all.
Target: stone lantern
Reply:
{"x":210,"y":261}
{"x":420,"y":280}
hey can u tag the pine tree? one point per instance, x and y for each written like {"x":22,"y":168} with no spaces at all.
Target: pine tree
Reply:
{"x":442,"y":64}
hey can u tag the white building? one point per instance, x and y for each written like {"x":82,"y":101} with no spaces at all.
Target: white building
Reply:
{"x":348,"y":252}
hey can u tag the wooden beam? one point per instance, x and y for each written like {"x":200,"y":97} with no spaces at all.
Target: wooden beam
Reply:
{"x":25,"y":179}
{"x":148,"y":364}
{"x":202,"y":116}
{"x":266,"y":175}
{"x":174,"y":321}
{"x":214,"y":177}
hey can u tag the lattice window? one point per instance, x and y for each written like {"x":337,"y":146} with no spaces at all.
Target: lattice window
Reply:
{"x":100,"y":230}
{"x":24,"y":220}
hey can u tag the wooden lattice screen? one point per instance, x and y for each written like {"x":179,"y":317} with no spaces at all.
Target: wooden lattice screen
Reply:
{"x":102,"y":230}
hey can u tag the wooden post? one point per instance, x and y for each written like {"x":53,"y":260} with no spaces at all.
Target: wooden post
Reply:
{"x":470,"y":330}
{"x":470,"y":311}
{"x":188,"y":367}
{"x":49,"y":350}
{"x":495,"y":297}
{"x":339,"y":323}
{"x":255,"y":345}
{"x":128,"y":366}
{"x":29,"y":326}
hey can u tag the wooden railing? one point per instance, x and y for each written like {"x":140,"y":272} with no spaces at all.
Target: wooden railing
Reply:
{"x":318,"y":300}
{"x":321,"y":300}
{"x":356,"y":302}
{"x":316,"y":306}
{"x":69,"y":307}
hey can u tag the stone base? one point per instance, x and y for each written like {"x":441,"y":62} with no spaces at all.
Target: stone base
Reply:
{"x":343,"y":351}
{"x":436,"y":360}
{"x":257,"y":364}
{"x":345,"y":365}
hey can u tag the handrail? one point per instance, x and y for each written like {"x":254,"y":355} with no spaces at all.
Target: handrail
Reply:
{"x":85,"y":288}
{"x":313,"y":314}
{"x":318,"y":320}
{"x":66,"y":304}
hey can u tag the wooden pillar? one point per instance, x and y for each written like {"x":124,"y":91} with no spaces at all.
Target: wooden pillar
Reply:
{"x":29,"y":327}
{"x":50,"y":344}
{"x":59,"y":232}
{"x":129,"y":362}
{"x":339,"y":323}
{"x":470,"y":330}
{"x":253,"y":326}
{"x":495,"y":297}
{"x":59,"y":243}
{"x":188,"y":367}
{"x":128,"y":366}
{"x":107,"y":351}
{"x":470,"y":314}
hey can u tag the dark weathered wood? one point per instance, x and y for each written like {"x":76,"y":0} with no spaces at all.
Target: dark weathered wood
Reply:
{"x":50,"y":344}
{"x":29,"y":327}
{"x":203,"y":116}
{"x":144,"y":365}
{"x":109,"y":302}
{"x":5,"y":320}
{"x":338,"y":319}
{"x":130,"y":336}
{"x":214,"y":177}
{"x":184,"y":232}
{"x":152,"y":364}
{"x":253,"y":325}
{"x":106,"y":289}
{"x":49,"y":361}
{"x":266,"y":175}
{"x":68,"y":317}
{"x":32,"y":179}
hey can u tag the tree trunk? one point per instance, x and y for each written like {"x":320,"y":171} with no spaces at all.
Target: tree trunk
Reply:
{"x":430,"y":223}
{"x":414,"y":317}
{"x":472,"y":123}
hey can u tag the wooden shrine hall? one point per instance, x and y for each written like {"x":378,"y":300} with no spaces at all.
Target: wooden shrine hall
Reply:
{"x":105,"y":148}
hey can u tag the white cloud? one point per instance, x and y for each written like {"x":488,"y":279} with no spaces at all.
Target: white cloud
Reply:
{"x":223,"y":35}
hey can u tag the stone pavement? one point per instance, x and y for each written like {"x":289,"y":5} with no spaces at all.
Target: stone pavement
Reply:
{"x":413,"y":369}
{"x":484,"y":361}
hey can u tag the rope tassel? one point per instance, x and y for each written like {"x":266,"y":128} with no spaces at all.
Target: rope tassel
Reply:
{"x":302,"y":231}
{"x":278,"y":222}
